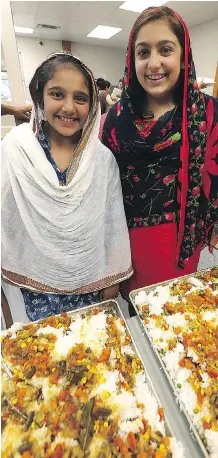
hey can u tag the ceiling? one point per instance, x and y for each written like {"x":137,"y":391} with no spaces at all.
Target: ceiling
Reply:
{"x":77,"y":19}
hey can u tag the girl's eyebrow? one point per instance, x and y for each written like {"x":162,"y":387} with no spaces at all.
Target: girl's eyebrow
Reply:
{"x":162,"y":42}
{"x":82,"y":93}
{"x":59,"y":88}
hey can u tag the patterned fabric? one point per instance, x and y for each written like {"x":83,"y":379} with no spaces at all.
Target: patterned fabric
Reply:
{"x":149,"y":173}
{"x":169,"y":170}
{"x":45,"y":144}
{"x":40,"y":305}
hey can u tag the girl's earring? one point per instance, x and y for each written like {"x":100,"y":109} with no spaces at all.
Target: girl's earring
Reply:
{"x":183,"y":66}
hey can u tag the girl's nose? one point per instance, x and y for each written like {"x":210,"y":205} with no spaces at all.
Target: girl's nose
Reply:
{"x":154,"y":62}
{"x":68,"y":105}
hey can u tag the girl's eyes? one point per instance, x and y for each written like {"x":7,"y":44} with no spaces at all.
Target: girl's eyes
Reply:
{"x":81,"y":99}
{"x":166,"y":50}
{"x":146,"y":52}
{"x":143,"y":52}
{"x":57,"y":95}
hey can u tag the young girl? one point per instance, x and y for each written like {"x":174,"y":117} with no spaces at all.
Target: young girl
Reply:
{"x":65,"y":239}
{"x":164,"y":133}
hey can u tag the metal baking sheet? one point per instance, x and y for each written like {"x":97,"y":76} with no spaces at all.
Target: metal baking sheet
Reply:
{"x":158,"y":356}
{"x":112,"y":307}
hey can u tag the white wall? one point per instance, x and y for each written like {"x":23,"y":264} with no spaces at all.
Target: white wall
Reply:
{"x":204,"y":43}
{"x":32,"y":54}
{"x":106,"y":62}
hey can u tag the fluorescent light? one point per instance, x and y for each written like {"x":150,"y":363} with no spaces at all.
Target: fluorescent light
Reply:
{"x":140,"y":5}
{"x":104,"y":32}
{"x":22,"y":29}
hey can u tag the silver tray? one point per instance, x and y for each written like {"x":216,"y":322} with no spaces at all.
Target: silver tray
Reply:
{"x":158,"y":355}
{"x":112,"y":307}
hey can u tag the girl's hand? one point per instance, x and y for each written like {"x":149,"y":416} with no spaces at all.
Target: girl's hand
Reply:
{"x":109,"y":293}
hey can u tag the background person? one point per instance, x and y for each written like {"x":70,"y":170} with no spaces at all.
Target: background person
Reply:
{"x":109,"y":100}
{"x":102,"y":94}
{"x":20,"y":113}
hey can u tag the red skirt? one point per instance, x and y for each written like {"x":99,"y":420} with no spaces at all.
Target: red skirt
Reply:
{"x":153,"y":251}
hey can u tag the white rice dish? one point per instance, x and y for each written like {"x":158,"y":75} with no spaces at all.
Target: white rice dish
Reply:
{"x":85,"y":390}
{"x":181,"y":319}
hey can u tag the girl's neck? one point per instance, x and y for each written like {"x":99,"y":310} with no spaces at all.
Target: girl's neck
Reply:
{"x":61,"y":147}
{"x":159,"y":106}
{"x":59,"y":140}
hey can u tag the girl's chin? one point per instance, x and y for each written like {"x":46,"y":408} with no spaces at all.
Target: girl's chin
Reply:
{"x":158,"y":92}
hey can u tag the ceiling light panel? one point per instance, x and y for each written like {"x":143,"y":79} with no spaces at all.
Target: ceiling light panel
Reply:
{"x":23,"y":29}
{"x":140,"y":5}
{"x":104,"y":32}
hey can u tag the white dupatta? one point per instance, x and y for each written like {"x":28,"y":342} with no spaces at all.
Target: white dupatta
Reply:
{"x":62,"y":239}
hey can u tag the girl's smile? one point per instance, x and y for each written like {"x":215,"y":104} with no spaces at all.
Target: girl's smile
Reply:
{"x":156,"y":77}
{"x":67,"y":121}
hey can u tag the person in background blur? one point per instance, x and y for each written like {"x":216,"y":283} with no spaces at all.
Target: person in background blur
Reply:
{"x":109,"y":99}
{"x":120,"y":85}
{"x":116,"y":94}
{"x":101,"y":85}
{"x":202,"y":85}
{"x":20,"y":113}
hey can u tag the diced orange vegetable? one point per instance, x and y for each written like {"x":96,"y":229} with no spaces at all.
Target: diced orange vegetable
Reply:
{"x":123,"y":450}
{"x":54,"y":405}
{"x":27,"y":454}
{"x":145,"y":424}
{"x":213,"y":373}
{"x":21,"y":392}
{"x":160,"y":454}
{"x":105,"y":355}
{"x":58,"y":452}
{"x":142,"y":455}
{"x":81,"y":355}
{"x":200,"y":397}
{"x":166,"y":441}
{"x":118,"y":442}
{"x":206,"y":424}
{"x":79,"y":393}
{"x":145,"y":308}
{"x":55,"y":420}
{"x":71,"y":409}
{"x":161,"y":413}
{"x":54,"y":379}
{"x":132,"y":441}
{"x":62,"y":395}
